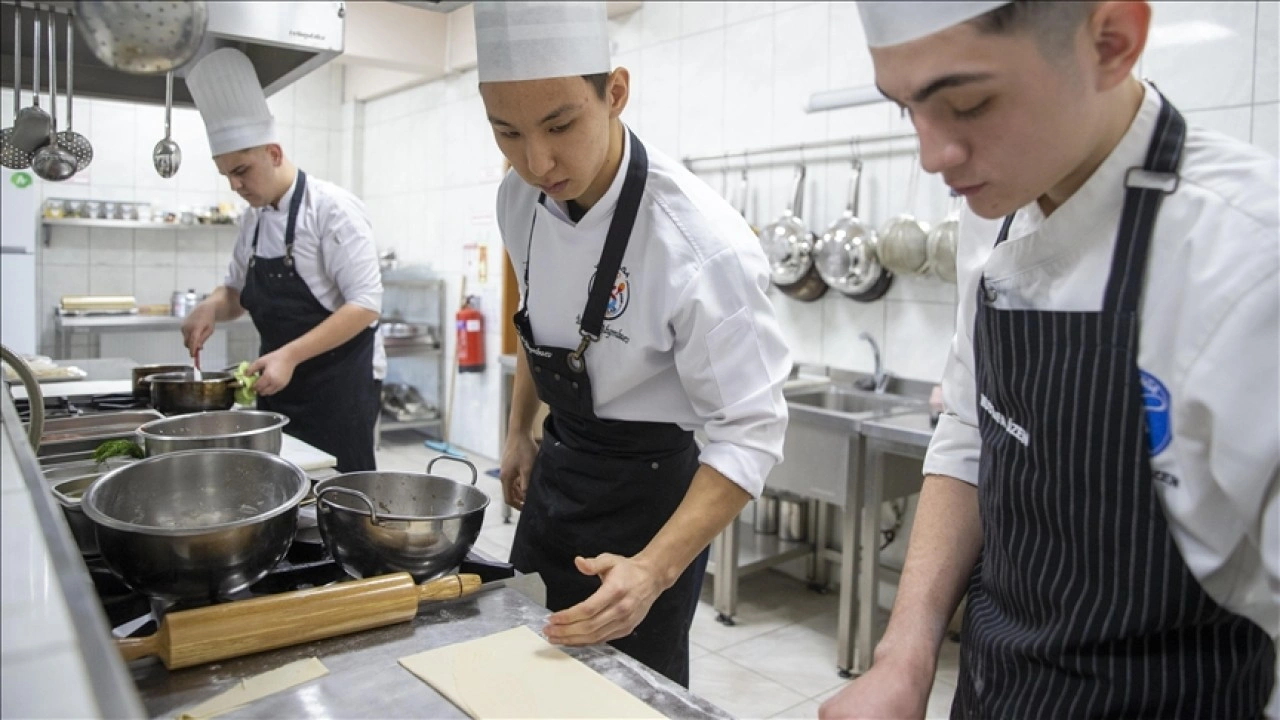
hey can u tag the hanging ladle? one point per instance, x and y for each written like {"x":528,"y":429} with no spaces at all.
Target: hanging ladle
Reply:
{"x":12,"y":156}
{"x":32,"y":126}
{"x":52,"y":162}
{"x":70,"y":140}
{"x":167,"y":156}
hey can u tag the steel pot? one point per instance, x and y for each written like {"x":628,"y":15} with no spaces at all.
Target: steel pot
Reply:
{"x":846,"y":255}
{"x":69,"y":483}
{"x":196,"y":525}
{"x":942,"y":243}
{"x":788,"y":244}
{"x":903,"y":244}
{"x":793,"y":519}
{"x":179,"y":393}
{"x":383,"y":522}
{"x":240,"y":429}
{"x":142,"y":373}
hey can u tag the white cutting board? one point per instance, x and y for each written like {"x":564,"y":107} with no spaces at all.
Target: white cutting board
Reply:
{"x":305,"y":456}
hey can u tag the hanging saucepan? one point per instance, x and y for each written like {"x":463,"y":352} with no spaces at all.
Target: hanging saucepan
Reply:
{"x":846,"y":255}
{"x":904,"y":240}
{"x":788,"y":244}
{"x":942,"y":243}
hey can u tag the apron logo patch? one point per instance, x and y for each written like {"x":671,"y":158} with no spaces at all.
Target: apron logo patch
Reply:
{"x":1157,"y":402}
{"x":1018,"y":432}
{"x":619,"y":296}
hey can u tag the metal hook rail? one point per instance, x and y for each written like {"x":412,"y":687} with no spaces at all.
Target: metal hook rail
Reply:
{"x":852,"y":148}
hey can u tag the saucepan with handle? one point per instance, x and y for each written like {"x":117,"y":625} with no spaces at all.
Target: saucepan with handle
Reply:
{"x":788,"y":243}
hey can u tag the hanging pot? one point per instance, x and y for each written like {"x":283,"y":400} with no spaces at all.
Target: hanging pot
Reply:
{"x":846,"y":255}
{"x":788,"y":244}
{"x":942,"y":243}
{"x":904,"y":239}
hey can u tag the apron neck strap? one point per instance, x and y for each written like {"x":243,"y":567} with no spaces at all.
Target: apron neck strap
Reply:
{"x":295,"y":203}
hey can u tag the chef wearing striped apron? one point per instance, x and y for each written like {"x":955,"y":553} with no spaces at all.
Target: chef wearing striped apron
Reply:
{"x":643,"y":318}
{"x":1112,"y":389}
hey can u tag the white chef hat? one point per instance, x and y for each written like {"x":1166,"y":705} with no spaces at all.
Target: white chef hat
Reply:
{"x":897,"y":22}
{"x":226,"y":90}
{"x":535,"y":40}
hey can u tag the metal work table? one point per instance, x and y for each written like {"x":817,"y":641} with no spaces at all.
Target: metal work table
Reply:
{"x":905,"y":436}
{"x":365,"y":679}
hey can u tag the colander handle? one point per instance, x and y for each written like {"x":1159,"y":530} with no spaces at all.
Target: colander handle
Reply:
{"x":373,"y":512}
{"x":474,"y":475}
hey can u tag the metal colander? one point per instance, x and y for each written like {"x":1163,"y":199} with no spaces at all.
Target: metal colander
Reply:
{"x":144,"y":38}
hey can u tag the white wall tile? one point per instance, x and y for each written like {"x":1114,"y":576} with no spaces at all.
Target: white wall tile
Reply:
{"x":801,"y":324}
{"x":921,"y":288}
{"x":702,"y":87}
{"x":698,"y":17}
{"x":917,"y":339}
{"x":1266,"y":127}
{"x":748,"y":102}
{"x":200,"y":279}
{"x":197,"y":249}
{"x":153,"y":284}
{"x":660,"y":85}
{"x":311,"y":150}
{"x":661,"y":22}
{"x":110,"y":280}
{"x":67,"y":246}
{"x":59,"y":280}
{"x":1201,"y":54}
{"x":110,"y":246}
{"x":115,"y":149}
{"x":736,"y":12}
{"x":155,"y":248}
{"x":843,"y":320}
{"x":1235,"y":122}
{"x":312,"y":106}
{"x":625,"y":33}
{"x":281,"y":105}
{"x":799,"y":70}
{"x":1266,"y":78}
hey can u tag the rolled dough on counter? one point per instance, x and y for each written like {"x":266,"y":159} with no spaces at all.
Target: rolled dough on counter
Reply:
{"x":257,"y":687}
{"x":518,"y":674}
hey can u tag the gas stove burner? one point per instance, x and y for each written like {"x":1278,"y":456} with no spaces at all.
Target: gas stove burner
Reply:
{"x":54,"y":407}
{"x":118,"y":401}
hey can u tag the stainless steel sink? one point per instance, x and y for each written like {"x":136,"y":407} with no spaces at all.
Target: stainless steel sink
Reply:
{"x":851,"y":401}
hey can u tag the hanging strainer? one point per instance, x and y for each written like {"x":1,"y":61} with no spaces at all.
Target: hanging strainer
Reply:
{"x":143,"y":38}
{"x":70,"y":140}
{"x":12,"y":156}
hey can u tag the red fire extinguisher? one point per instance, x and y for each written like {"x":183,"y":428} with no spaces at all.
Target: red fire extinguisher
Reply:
{"x":470,"y":324}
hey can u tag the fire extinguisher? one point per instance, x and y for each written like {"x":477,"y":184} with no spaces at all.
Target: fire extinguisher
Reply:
{"x":470,"y":324}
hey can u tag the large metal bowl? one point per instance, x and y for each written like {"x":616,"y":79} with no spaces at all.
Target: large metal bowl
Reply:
{"x":383,"y":522}
{"x":239,"y":429}
{"x":196,"y":525}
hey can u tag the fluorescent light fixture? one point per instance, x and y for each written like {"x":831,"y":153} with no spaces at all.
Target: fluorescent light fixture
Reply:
{"x":1187,"y":32}
{"x":844,"y":98}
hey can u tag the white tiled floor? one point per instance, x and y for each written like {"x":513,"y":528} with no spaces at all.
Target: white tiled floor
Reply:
{"x":777,"y":661}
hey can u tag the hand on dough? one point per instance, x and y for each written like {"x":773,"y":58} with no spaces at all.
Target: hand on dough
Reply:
{"x":628,"y":589}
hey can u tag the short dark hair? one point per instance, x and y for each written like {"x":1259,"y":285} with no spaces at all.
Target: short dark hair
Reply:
{"x":599,"y":81}
{"x":1054,"y":22}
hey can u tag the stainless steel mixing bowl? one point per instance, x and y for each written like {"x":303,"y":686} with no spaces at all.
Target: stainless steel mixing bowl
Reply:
{"x":383,"y":522}
{"x":242,"y":429}
{"x":196,"y":525}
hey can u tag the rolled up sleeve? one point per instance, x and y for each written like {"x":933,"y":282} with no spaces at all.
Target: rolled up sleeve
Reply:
{"x":956,"y":444}
{"x":732,"y":363}
{"x":350,"y":254}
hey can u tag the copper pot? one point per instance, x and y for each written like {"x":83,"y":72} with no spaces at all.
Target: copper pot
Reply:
{"x":179,"y":393}
{"x":142,"y":387}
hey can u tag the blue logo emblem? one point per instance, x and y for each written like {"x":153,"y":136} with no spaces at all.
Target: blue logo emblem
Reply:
{"x":1156,"y":401}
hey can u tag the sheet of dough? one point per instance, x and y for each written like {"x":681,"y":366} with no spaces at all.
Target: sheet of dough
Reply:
{"x":518,"y":674}
{"x":257,"y":687}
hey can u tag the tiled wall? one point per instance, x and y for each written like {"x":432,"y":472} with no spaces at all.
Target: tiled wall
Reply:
{"x":151,"y":264}
{"x":715,"y":77}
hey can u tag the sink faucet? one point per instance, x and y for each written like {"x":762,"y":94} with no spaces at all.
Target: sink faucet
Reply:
{"x":880,"y":379}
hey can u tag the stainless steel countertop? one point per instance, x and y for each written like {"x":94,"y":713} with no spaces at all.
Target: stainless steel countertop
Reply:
{"x":911,"y":428}
{"x":365,"y":679}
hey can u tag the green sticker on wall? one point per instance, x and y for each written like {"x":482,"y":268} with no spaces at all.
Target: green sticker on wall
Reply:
{"x":21,"y":179}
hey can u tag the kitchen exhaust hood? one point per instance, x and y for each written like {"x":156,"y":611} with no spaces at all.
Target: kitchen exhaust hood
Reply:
{"x":284,"y":41}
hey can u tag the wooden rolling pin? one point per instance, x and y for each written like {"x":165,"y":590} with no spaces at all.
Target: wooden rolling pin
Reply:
{"x":227,"y":630}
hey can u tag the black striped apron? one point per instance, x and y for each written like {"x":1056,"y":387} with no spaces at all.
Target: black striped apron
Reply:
{"x":1080,"y":605}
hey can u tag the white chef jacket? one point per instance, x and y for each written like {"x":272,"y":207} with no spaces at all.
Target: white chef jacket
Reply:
{"x":690,"y":336}
{"x":333,"y":250}
{"x":1209,"y":333}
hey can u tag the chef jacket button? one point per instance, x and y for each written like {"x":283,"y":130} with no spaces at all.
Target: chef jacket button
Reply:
{"x":989,"y":295}
{"x":575,"y":386}
{"x":654,"y":465}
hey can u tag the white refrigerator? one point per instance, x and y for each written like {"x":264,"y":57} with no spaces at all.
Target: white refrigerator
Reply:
{"x":19,"y":224}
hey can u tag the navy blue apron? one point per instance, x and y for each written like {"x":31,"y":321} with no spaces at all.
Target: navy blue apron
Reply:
{"x":332,"y":400}
{"x":599,"y":485}
{"x":1081,"y":605}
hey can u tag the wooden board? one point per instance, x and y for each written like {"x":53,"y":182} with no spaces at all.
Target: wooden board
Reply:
{"x":516,"y":673}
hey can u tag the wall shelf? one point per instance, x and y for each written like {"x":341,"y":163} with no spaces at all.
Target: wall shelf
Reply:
{"x":48,"y":225}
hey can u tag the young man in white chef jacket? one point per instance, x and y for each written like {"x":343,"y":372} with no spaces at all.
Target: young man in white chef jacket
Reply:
{"x":305,"y":267}
{"x":644,"y":317}
{"x":1104,"y":480}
